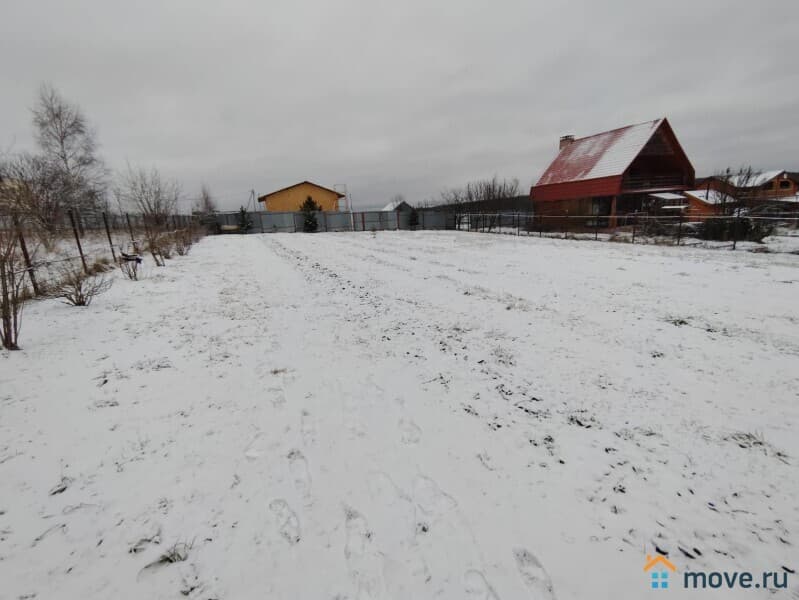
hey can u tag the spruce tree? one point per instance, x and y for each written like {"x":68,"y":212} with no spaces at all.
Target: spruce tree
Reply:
{"x":309,"y":208}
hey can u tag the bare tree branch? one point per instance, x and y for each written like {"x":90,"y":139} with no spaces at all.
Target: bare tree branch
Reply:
{"x":147,"y":193}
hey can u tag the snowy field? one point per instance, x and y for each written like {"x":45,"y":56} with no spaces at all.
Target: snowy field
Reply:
{"x":406,"y":416}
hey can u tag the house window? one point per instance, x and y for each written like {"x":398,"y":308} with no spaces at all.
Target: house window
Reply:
{"x":660,"y":580}
{"x":785,"y":184}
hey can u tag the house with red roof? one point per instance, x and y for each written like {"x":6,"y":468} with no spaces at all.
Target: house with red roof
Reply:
{"x":601,"y":177}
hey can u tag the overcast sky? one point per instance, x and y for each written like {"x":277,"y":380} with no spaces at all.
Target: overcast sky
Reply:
{"x":401,"y":97}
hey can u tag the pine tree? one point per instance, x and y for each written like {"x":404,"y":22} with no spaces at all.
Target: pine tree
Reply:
{"x":244,"y":220}
{"x":309,"y":208}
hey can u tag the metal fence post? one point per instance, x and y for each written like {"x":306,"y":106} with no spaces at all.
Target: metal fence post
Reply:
{"x":679,"y":229}
{"x":635,"y":221}
{"x":77,"y":241}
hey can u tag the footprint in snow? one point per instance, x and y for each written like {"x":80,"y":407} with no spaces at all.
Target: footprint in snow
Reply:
{"x":298,"y":465}
{"x":477,"y":587}
{"x":277,"y":396}
{"x":254,"y":450}
{"x":363,"y":561}
{"x":410,"y":432}
{"x":533,"y":574}
{"x":432,"y":501}
{"x":307,"y":428}
{"x":287,"y":522}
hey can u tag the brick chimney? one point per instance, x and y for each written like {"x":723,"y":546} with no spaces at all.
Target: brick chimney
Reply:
{"x":565,"y":140}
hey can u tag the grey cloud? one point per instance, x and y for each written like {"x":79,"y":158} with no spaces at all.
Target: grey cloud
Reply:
{"x":406,"y":97}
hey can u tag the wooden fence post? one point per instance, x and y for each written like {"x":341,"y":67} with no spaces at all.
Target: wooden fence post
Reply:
{"x":108,"y":233}
{"x":24,"y":247}
{"x":79,"y":219}
{"x":77,"y":241}
{"x":130,"y":228}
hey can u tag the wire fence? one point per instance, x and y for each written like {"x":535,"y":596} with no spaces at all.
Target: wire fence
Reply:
{"x":638,"y":227}
{"x":93,"y":243}
{"x":677,"y":229}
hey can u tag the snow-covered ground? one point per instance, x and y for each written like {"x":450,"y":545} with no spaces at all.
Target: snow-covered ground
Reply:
{"x":405,"y":415}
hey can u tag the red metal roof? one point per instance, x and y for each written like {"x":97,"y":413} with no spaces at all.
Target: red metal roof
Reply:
{"x":606,"y":154}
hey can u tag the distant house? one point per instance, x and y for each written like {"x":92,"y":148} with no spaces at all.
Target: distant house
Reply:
{"x":613,"y":173}
{"x":291,"y":198}
{"x":693,"y":203}
{"x":397,"y":206}
{"x":768,"y":185}
{"x":709,"y":202}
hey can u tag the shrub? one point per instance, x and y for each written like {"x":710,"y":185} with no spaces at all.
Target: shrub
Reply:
{"x":130,"y":268}
{"x":182,"y":242}
{"x":155,"y":245}
{"x":78,"y":288}
{"x":734,"y":229}
{"x":13,"y":292}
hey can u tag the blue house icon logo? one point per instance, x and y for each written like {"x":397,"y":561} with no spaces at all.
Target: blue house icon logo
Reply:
{"x":660,"y":580}
{"x":658,"y":568}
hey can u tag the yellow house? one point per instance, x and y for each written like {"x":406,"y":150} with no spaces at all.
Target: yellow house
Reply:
{"x":291,"y":198}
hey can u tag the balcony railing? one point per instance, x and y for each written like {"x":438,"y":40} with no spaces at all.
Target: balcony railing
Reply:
{"x":653,"y":182}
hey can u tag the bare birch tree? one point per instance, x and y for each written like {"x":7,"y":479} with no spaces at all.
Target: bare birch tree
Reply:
{"x":69,"y":143}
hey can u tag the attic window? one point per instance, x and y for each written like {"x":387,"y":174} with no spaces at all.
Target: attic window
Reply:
{"x":785,"y":184}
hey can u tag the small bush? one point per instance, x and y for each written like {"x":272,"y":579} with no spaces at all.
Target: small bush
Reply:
{"x":101,"y":265}
{"x":130,"y":268}
{"x":13,"y":291}
{"x":165,"y":247}
{"x":78,"y":288}
{"x":734,"y":229}
{"x":182,"y":242}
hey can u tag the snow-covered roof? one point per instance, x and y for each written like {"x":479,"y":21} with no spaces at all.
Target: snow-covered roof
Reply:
{"x":711,"y":196}
{"x":601,"y":155}
{"x":392,"y":206}
{"x":756,"y":180}
{"x":668,"y":196}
